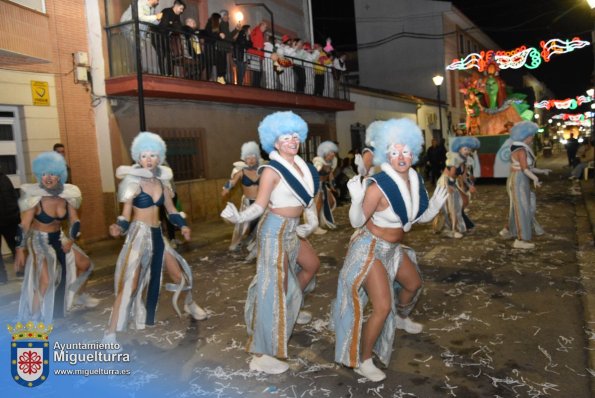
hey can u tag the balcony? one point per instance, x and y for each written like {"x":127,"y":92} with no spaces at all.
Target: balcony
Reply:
{"x":187,"y":65}
{"x":24,"y":35}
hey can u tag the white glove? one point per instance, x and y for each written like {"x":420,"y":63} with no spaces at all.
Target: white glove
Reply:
{"x":359,"y":162}
{"x":435,"y":204}
{"x":541,"y":171}
{"x":357,"y":191}
{"x":231,"y":214}
{"x":533,"y":177}
{"x":304,"y":230}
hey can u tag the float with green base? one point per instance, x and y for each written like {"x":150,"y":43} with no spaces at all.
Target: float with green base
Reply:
{"x":492,"y":108}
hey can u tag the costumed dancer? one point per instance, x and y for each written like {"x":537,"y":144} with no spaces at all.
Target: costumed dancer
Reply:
{"x":245,"y":172}
{"x":521,"y":220}
{"x":451,"y":222}
{"x":286,"y":264}
{"x":465,"y":182}
{"x":145,"y":186}
{"x":56,"y":268}
{"x":383,"y":208}
{"x":325,"y":163}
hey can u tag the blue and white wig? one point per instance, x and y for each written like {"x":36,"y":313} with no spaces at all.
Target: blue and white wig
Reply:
{"x":280,"y":123}
{"x":250,"y":148}
{"x":464,"y":142}
{"x":327,"y":147}
{"x":395,"y":131}
{"x":371,"y":131}
{"x":522,"y":130}
{"x":50,"y":163}
{"x":148,"y":142}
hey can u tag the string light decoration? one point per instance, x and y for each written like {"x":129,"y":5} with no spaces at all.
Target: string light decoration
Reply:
{"x":574,"y":117}
{"x":529,"y":57}
{"x":568,"y":103}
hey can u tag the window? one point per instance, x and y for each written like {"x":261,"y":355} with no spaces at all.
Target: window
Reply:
{"x":8,"y":164}
{"x":37,"y":5}
{"x":461,"y":43}
{"x":185,"y":152}
{"x":11,"y":150}
{"x":6,"y":132}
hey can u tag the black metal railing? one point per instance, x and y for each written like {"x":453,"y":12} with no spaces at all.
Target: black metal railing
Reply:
{"x":194,"y":56}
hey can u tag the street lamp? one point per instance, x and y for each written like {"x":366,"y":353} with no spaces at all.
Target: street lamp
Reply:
{"x":438,"y":82}
{"x":268,"y":10}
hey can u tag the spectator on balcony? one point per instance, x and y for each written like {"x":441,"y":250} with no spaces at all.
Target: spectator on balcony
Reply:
{"x":193,"y":54}
{"x":256,"y":54}
{"x":270,"y":76}
{"x":229,"y":37}
{"x":167,"y":40}
{"x":339,"y":69}
{"x":242,"y":43}
{"x":324,"y":61}
{"x":299,"y":55}
{"x":285,"y":53}
{"x":216,"y":55}
{"x":147,"y":18}
{"x":310,"y":56}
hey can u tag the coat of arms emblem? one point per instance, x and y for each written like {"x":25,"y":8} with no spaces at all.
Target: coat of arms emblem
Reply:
{"x":30,"y":353}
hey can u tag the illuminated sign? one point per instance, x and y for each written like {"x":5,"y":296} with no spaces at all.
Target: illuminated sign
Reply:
{"x":529,"y":57}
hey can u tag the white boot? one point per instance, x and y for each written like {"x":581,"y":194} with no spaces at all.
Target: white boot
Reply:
{"x":86,"y":300}
{"x":304,"y":317}
{"x":197,"y":313}
{"x":268,"y":364}
{"x":505,"y":233}
{"x":408,"y":325}
{"x":110,"y":338}
{"x":320,"y":231}
{"x":521,"y":244}
{"x":370,"y":371}
{"x":452,"y":234}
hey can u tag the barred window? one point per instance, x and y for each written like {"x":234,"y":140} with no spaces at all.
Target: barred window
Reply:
{"x":185,"y":152}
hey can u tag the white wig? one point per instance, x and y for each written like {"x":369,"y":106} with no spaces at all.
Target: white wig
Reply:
{"x":464,"y":142}
{"x":250,"y":148}
{"x":453,"y":159}
{"x":396,"y":131}
{"x":326,"y":147}
{"x":148,"y":142}
{"x":280,"y":123}
{"x":522,"y":130}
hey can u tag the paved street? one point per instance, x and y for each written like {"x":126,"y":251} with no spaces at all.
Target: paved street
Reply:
{"x":499,"y":322}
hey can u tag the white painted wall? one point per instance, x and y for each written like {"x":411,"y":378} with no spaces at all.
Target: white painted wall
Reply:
{"x":39,"y":125}
{"x":404,"y":65}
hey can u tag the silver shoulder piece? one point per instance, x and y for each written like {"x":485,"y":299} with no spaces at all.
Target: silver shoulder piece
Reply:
{"x":73,"y":195}
{"x":31,"y":194}
{"x":128,"y":189}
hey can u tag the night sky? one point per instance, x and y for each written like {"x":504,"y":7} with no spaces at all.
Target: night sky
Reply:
{"x":510,"y":23}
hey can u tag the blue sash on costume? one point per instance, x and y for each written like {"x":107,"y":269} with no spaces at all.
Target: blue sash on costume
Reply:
{"x":294,"y":184}
{"x":391,"y":191}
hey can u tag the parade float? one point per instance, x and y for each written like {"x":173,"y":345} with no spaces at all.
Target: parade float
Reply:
{"x":492,"y":107}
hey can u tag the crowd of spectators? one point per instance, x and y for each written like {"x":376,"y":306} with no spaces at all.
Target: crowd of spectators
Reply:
{"x":242,"y":55}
